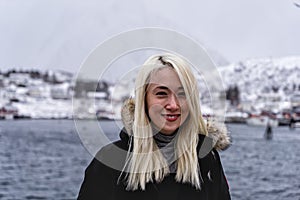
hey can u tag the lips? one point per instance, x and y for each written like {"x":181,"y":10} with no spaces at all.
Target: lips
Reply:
{"x":171,"y":117}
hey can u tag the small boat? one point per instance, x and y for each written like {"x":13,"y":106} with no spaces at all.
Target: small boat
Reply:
{"x":8,"y":112}
{"x":236,"y":117}
{"x":262,"y":121}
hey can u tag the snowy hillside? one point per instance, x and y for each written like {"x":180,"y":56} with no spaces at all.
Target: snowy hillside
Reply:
{"x":268,"y":83}
{"x":264,"y":79}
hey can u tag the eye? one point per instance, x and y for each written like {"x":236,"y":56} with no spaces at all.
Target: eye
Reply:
{"x":161,"y":93}
{"x":181,"y":94}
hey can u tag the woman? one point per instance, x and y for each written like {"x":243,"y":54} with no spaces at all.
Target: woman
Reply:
{"x":171,"y":152}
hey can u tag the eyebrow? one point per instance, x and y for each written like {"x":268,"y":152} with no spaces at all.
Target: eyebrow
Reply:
{"x":162,"y":87}
{"x":166,"y":88}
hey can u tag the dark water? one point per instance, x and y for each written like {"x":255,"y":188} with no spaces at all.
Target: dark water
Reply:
{"x":43,"y":159}
{"x":263,"y":169}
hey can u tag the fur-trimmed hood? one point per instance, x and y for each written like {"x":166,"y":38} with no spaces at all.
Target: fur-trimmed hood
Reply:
{"x":217,"y":133}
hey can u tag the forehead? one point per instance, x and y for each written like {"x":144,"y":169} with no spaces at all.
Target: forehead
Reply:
{"x":165,"y":77}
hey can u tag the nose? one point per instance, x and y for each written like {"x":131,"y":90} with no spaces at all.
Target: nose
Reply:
{"x":172,"y":103}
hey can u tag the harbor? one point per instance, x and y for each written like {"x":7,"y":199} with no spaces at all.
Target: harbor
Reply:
{"x":46,"y":160}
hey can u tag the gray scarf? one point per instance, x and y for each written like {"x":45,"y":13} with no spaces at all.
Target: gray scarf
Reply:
{"x":166,"y":144}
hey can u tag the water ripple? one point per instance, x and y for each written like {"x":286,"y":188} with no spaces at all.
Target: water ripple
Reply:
{"x":44,"y":159}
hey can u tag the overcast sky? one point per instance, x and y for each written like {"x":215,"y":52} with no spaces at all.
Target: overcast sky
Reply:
{"x":59,"y":34}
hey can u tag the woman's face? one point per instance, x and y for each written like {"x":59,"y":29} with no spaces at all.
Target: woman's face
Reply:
{"x":166,"y":101}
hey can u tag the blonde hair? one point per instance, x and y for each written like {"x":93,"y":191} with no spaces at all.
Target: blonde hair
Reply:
{"x":146,"y":163}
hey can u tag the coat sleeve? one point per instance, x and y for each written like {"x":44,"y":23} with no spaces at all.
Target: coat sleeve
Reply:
{"x":221,"y":185}
{"x":97,"y":183}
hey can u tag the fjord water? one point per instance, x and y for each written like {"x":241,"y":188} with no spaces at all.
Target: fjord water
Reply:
{"x":45,"y":159}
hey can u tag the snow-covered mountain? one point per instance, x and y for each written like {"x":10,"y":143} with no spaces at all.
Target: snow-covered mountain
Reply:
{"x":264,"y":79}
{"x":265,"y":83}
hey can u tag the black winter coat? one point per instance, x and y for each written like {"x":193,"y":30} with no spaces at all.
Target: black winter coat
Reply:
{"x":101,"y":181}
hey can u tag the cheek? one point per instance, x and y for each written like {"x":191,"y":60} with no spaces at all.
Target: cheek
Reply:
{"x":153,"y":106}
{"x":154,"y":110}
{"x":185,"y":111}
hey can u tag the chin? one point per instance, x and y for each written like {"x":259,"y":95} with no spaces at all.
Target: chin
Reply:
{"x":169,"y":130}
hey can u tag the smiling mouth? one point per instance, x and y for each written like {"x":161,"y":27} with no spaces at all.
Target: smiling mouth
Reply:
{"x":171,"y":117}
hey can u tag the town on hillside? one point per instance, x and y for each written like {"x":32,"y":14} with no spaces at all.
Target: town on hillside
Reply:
{"x":256,"y":94}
